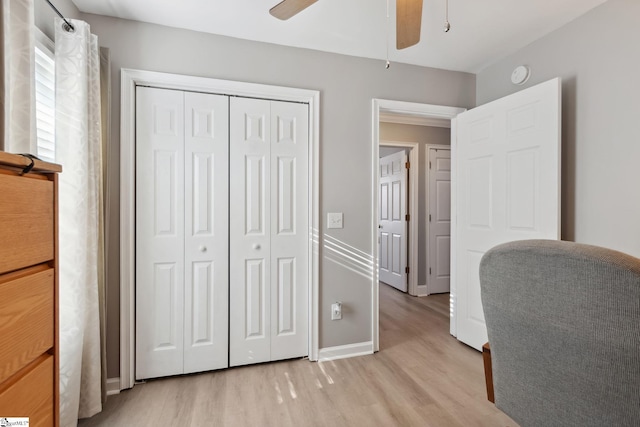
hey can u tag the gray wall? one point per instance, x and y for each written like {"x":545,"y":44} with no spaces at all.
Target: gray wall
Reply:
{"x":423,"y":135}
{"x":598,"y":59}
{"x":386,"y":151}
{"x":347,"y":86}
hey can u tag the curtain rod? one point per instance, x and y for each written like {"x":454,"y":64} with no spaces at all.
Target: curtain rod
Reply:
{"x":55,"y":9}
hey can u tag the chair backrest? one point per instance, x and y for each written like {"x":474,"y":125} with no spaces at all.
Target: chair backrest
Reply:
{"x":563,"y":321}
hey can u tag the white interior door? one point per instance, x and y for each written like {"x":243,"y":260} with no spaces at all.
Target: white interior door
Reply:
{"x":439,"y":220}
{"x":181,"y":232}
{"x":268,"y":226}
{"x":508,"y":187}
{"x":392,"y":230}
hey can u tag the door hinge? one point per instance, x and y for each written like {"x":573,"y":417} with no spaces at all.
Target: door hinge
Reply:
{"x":429,"y":165}
{"x":429,"y":270}
{"x":406,"y":217}
{"x":406,"y":270}
{"x":429,"y":217}
{"x":408,"y":165}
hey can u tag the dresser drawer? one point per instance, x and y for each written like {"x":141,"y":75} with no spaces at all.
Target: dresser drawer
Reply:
{"x":32,"y":395}
{"x":26,"y":319}
{"x":26,"y":221}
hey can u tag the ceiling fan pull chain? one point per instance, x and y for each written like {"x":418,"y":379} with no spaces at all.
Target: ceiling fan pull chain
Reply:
{"x":388,"y":64}
{"x":447,"y":25}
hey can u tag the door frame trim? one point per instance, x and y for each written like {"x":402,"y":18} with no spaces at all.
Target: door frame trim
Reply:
{"x":397,"y":108}
{"x":130,"y":78}
{"x":412,"y":229}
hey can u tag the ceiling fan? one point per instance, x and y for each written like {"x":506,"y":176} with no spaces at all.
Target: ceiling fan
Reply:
{"x":408,"y":18}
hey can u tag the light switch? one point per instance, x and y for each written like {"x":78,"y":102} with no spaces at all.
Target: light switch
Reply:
{"x":334,"y":220}
{"x":336,"y":311}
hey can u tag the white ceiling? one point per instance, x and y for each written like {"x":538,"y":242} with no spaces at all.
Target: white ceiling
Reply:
{"x":482,"y":31}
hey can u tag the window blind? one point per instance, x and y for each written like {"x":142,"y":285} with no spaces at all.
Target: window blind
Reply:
{"x":45,"y":104}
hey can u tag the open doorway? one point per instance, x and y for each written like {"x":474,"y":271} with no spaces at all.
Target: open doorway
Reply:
{"x":397,"y":112}
{"x":427,"y":222}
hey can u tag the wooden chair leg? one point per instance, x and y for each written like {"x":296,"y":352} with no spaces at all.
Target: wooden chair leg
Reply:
{"x":488,"y":373}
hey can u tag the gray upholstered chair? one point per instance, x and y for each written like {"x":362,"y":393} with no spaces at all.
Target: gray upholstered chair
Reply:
{"x":563,"y":321}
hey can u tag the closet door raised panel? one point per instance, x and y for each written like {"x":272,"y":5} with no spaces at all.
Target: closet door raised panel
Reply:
{"x":250,"y":231}
{"x":206,"y":280}
{"x":289,"y":230}
{"x":159,"y":232}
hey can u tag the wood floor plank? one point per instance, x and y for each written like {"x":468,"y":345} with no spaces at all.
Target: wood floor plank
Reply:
{"x":421,"y":376}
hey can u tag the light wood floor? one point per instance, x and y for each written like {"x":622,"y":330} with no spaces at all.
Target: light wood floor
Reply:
{"x":421,"y":377}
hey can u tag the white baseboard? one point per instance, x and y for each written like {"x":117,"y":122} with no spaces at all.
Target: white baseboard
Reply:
{"x":344,"y":351}
{"x":113,"y":386}
{"x":421,"y":290}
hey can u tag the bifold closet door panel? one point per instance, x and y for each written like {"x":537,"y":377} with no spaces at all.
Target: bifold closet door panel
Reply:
{"x":269,"y":239}
{"x":159,"y":232}
{"x":181,"y":232}
{"x":289,"y":230}
{"x":249,"y":228}
{"x":206,"y":284}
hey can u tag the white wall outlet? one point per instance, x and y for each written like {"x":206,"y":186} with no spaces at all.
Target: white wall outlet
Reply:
{"x":334,"y":220}
{"x":336,"y":311}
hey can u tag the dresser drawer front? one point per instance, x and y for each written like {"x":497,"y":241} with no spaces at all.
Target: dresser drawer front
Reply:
{"x":26,"y":320}
{"x":31,"y":396}
{"x":26,"y":221}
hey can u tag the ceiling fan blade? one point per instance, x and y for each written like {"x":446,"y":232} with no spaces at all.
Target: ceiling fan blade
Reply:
{"x":408,"y":22}
{"x":287,"y":8}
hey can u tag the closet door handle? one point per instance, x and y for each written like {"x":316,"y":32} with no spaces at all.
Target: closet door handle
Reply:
{"x":256,"y":246}
{"x":202,"y":248}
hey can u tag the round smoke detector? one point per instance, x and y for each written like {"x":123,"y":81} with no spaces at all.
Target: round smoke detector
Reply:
{"x":520,"y":75}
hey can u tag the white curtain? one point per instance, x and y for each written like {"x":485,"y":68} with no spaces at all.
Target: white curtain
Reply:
{"x":79,"y":151}
{"x":17,"y":85}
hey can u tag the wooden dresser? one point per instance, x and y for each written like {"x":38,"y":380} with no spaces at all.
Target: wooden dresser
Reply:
{"x":29,"y":290}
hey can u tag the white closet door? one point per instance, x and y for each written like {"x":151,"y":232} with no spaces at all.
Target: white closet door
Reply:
{"x":268,"y":231}
{"x":250,"y":229}
{"x":181,"y":232}
{"x":289,"y":230}
{"x":159,"y":232}
{"x":206,"y":280}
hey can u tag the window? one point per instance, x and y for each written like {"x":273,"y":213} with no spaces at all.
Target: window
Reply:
{"x":45,"y":101}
